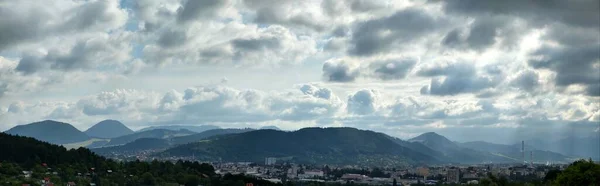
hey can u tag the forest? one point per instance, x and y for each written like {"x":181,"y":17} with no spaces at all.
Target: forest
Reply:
{"x":26,"y":160}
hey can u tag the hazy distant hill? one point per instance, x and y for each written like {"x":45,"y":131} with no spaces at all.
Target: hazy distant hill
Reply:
{"x":456,"y":153}
{"x":270,"y":127}
{"x":514,"y":152}
{"x":50,"y":131}
{"x":134,"y":146}
{"x":108,"y":129}
{"x":156,"y":133}
{"x":308,"y":145}
{"x":206,"y":134}
{"x":193,"y":128}
{"x":576,"y":146}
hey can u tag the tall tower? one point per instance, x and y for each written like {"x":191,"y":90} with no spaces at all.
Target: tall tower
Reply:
{"x":531,"y":158}
{"x":523,"y":151}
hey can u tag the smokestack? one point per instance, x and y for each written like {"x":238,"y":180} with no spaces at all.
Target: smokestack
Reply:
{"x":523,"y":150}
{"x":531,"y":157}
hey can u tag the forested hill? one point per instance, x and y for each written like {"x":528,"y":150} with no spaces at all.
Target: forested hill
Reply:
{"x":84,"y":167}
{"x":308,"y":145}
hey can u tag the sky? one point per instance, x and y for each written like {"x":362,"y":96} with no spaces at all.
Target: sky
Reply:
{"x":498,"y":71}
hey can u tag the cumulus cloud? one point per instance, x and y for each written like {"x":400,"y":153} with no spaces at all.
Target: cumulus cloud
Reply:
{"x":340,"y":71}
{"x":363,"y":102}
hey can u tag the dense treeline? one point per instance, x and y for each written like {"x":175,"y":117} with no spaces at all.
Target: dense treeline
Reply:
{"x":59,"y":165}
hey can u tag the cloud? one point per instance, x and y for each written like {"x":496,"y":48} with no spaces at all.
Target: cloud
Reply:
{"x":23,"y":22}
{"x":380,"y":35}
{"x":118,"y":101}
{"x":392,"y":69}
{"x":85,"y":53}
{"x":363,"y":102}
{"x":287,"y":13}
{"x":196,"y":9}
{"x":584,"y":13}
{"x":574,"y":63}
{"x":527,"y":80}
{"x":457,"y":78}
{"x":339,"y":71}
{"x":348,"y":69}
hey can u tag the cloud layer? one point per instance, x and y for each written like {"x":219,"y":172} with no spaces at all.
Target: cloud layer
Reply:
{"x":402,"y":67}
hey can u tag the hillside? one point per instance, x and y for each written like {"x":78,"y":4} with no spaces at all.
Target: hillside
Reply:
{"x":50,"y":131}
{"x":108,"y":129}
{"x":25,"y":153}
{"x":308,"y":145}
{"x":454,"y":153}
{"x":156,"y":133}
{"x":206,"y":134}
{"x":141,"y":144}
{"x":193,"y":128}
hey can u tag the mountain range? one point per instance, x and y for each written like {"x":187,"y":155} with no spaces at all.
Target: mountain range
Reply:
{"x":195,"y":128}
{"x":309,"y":145}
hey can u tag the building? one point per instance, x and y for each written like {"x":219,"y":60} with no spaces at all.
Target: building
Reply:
{"x":313,"y":173}
{"x":453,"y":175}
{"x":270,"y":161}
{"x":354,"y":177}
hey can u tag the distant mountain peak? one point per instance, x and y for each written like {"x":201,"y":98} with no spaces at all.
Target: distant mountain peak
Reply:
{"x":270,"y":127}
{"x":108,"y":129}
{"x":50,"y":131}
{"x":433,"y":140}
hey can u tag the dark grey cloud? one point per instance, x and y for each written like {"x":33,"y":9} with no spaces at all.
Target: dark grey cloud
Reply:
{"x":340,"y":31}
{"x":573,"y":65}
{"x":277,"y":12}
{"x":172,"y":38}
{"x":362,"y":102}
{"x":526,"y":80}
{"x":458,"y":78}
{"x":256,"y":44}
{"x":339,"y":72}
{"x":484,"y":32}
{"x":453,"y":38}
{"x":582,"y":13}
{"x":379,"y":35}
{"x":392,"y":69}
{"x":89,"y":15}
{"x":364,"y":5}
{"x":84,"y":54}
{"x":30,"y":64}
{"x":15,"y":29}
{"x":453,"y":85}
{"x":79,"y":57}
{"x":198,"y":9}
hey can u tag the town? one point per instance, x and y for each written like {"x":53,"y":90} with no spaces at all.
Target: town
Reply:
{"x":277,"y":170}
{"x":282,"y":171}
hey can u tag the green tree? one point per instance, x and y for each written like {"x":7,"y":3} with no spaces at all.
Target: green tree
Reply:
{"x":580,"y":172}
